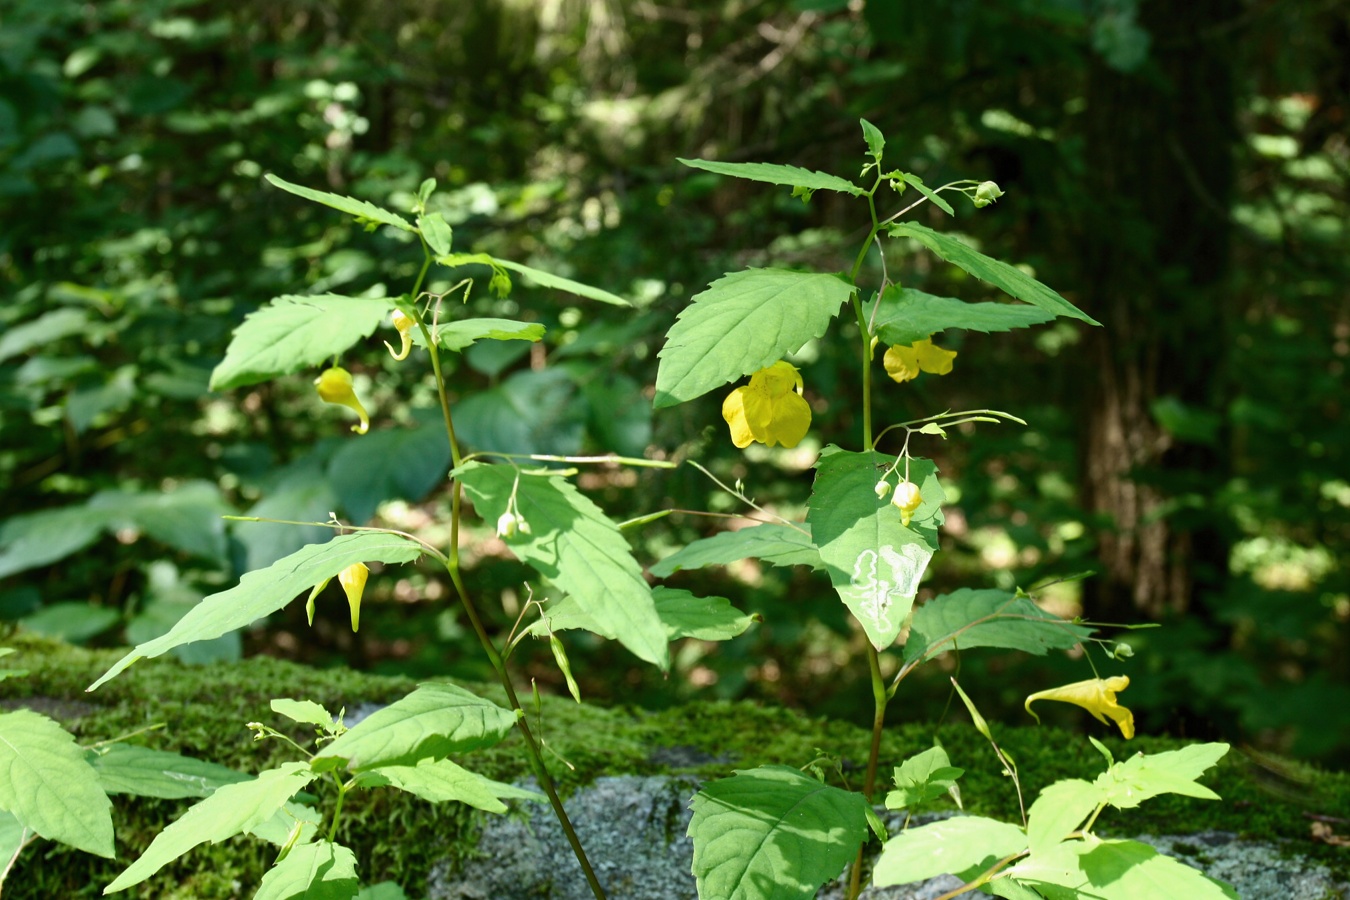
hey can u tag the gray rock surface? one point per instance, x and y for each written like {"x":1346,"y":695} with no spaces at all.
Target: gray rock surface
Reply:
{"x":634,"y":829}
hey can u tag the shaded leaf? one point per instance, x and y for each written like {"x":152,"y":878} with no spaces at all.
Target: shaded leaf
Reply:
{"x":906,"y":315}
{"x":923,"y":777}
{"x":968,"y":618}
{"x":549,"y":280}
{"x":47,"y":328}
{"x":265,"y":591}
{"x":574,"y":545}
{"x":73,"y":621}
{"x":682,"y":614}
{"x":1115,"y":870}
{"x":37,"y":539}
{"x":461,"y":333}
{"x":529,"y":412}
{"x":187,"y":518}
{"x":437,"y":233}
{"x":772,"y":173}
{"x":143,"y":772}
{"x":744,"y":322}
{"x":1010,"y":280}
{"x":773,"y":832}
{"x":430,"y":723}
{"x":363,"y":211}
{"x":779,"y":545}
{"x":391,"y":463}
{"x":296,"y":332}
{"x":49,"y":787}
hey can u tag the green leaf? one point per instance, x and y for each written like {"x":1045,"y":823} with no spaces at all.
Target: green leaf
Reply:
{"x":916,"y":182}
{"x":874,"y":562}
{"x":40,"y":538}
{"x":773,"y":832}
{"x":779,"y":545}
{"x":1115,"y":870}
{"x":923,"y":777}
{"x":459,"y":334}
{"x":744,"y":322}
{"x":279,"y":829}
{"x":263,"y":592}
{"x":45,"y":329}
{"x":302,"y":492}
{"x":187,"y":518}
{"x":73,"y":621}
{"x":772,"y":173}
{"x":430,"y":723}
{"x":316,"y":871}
{"x":529,"y":412}
{"x":46,"y":783}
{"x":363,"y":211}
{"x":682,"y":614}
{"x":143,"y":772}
{"x":549,"y":280}
{"x":1006,"y":278}
{"x":306,"y":712}
{"x":907,"y":315}
{"x":13,"y":836}
{"x":1130,"y":782}
{"x":385,"y":890}
{"x":962,"y":846}
{"x":402,"y":463}
{"x":437,"y":233}
{"x":296,"y":332}
{"x":573,"y":544}
{"x":876,"y":142}
{"x":1059,"y":810}
{"x":968,"y":618}
{"x":436,"y":781}
{"x":232,"y":809}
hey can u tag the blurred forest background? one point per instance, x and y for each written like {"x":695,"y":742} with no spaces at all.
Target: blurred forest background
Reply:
{"x":1180,"y":171}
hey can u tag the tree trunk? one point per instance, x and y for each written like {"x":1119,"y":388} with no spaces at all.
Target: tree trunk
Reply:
{"x":1159,"y":144}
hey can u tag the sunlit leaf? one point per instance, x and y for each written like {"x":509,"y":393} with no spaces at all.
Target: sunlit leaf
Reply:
{"x":907,"y":315}
{"x":557,"y":282}
{"x":744,"y":322}
{"x":773,"y":832}
{"x":296,"y":332}
{"x":779,"y":545}
{"x":1115,"y":870}
{"x":962,"y":846}
{"x":966,"y":618}
{"x":47,"y":784}
{"x":363,"y":211}
{"x":437,"y":233}
{"x":772,"y":173}
{"x":436,"y":781}
{"x":460,"y":333}
{"x":682,"y":613}
{"x":1132,"y":781}
{"x":143,"y":772}
{"x":314,"y":871}
{"x":1059,"y":810}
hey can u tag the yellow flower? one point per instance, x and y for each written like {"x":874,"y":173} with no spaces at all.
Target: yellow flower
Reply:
{"x":404,"y":323}
{"x":1097,"y":696}
{"x":770,"y":409}
{"x":904,"y":363}
{"x":335,"y":386}
{"x":907,"y":499}
{"x":353,"y":581}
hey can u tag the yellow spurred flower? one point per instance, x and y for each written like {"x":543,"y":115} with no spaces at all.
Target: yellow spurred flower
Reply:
{"x":907,"y":499}
{"x":770,"y":409}
{"x":353,"y":581}
{"x":404,"y":323}
{"x":335,"y":386}
{"x":1097,"y":696}
{"x":904,"y":363}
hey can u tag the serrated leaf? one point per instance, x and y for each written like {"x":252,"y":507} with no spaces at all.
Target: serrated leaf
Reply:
{"x":232,"y":809}
{"x":921,"y":778}
{"x":1115,"y":870}
{"x":461,"y":333}
{"x":779,"y":545}
{"x":574,"y":545}
{"x":916,"y":182}
{"x":549,"y":280}
{"x":437,"y":233}
{"x":265,"y":591}
{"x":1132,"y":781}
{"x":906,"y":315}
{"x":966,"y":618}
{"x":962,"y":846}
{"x":1006,"y":278}
{"x":295,"y":332}
{"x":279,"y":828}
{"x":1059,"y":810}
{"x":304,"y":711}
{"x":873,"y":561}
{"x":143,"y":772}
{"x":392,"y":463}
{"x":430,"y":723}
{"x":49,"y":787}
{"x":352,"y":207}
{"x":876,"y":142}
{"x":436,"y":781}
{"x":316,"y":871}
{"x":744,"y":322}
{"x":772,"y":173}
{"x":682,"y":613}
{"x":773,"y":832}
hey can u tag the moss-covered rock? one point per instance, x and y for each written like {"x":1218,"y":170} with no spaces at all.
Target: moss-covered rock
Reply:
{"x":202,"y":711}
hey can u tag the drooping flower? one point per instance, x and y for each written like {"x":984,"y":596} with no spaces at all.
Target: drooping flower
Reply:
{"x":907,"y":499}
{"x":404,"y":323}
{"x":986,"y":193}
{"x":904,"y":363}
{"x":353,"y":581}
{"x":1097,"y":696}
{"x":770,"y":409}
{"x":335,"y":386}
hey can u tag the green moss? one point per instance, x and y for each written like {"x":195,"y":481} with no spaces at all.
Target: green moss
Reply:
{"x":204,"y":711}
